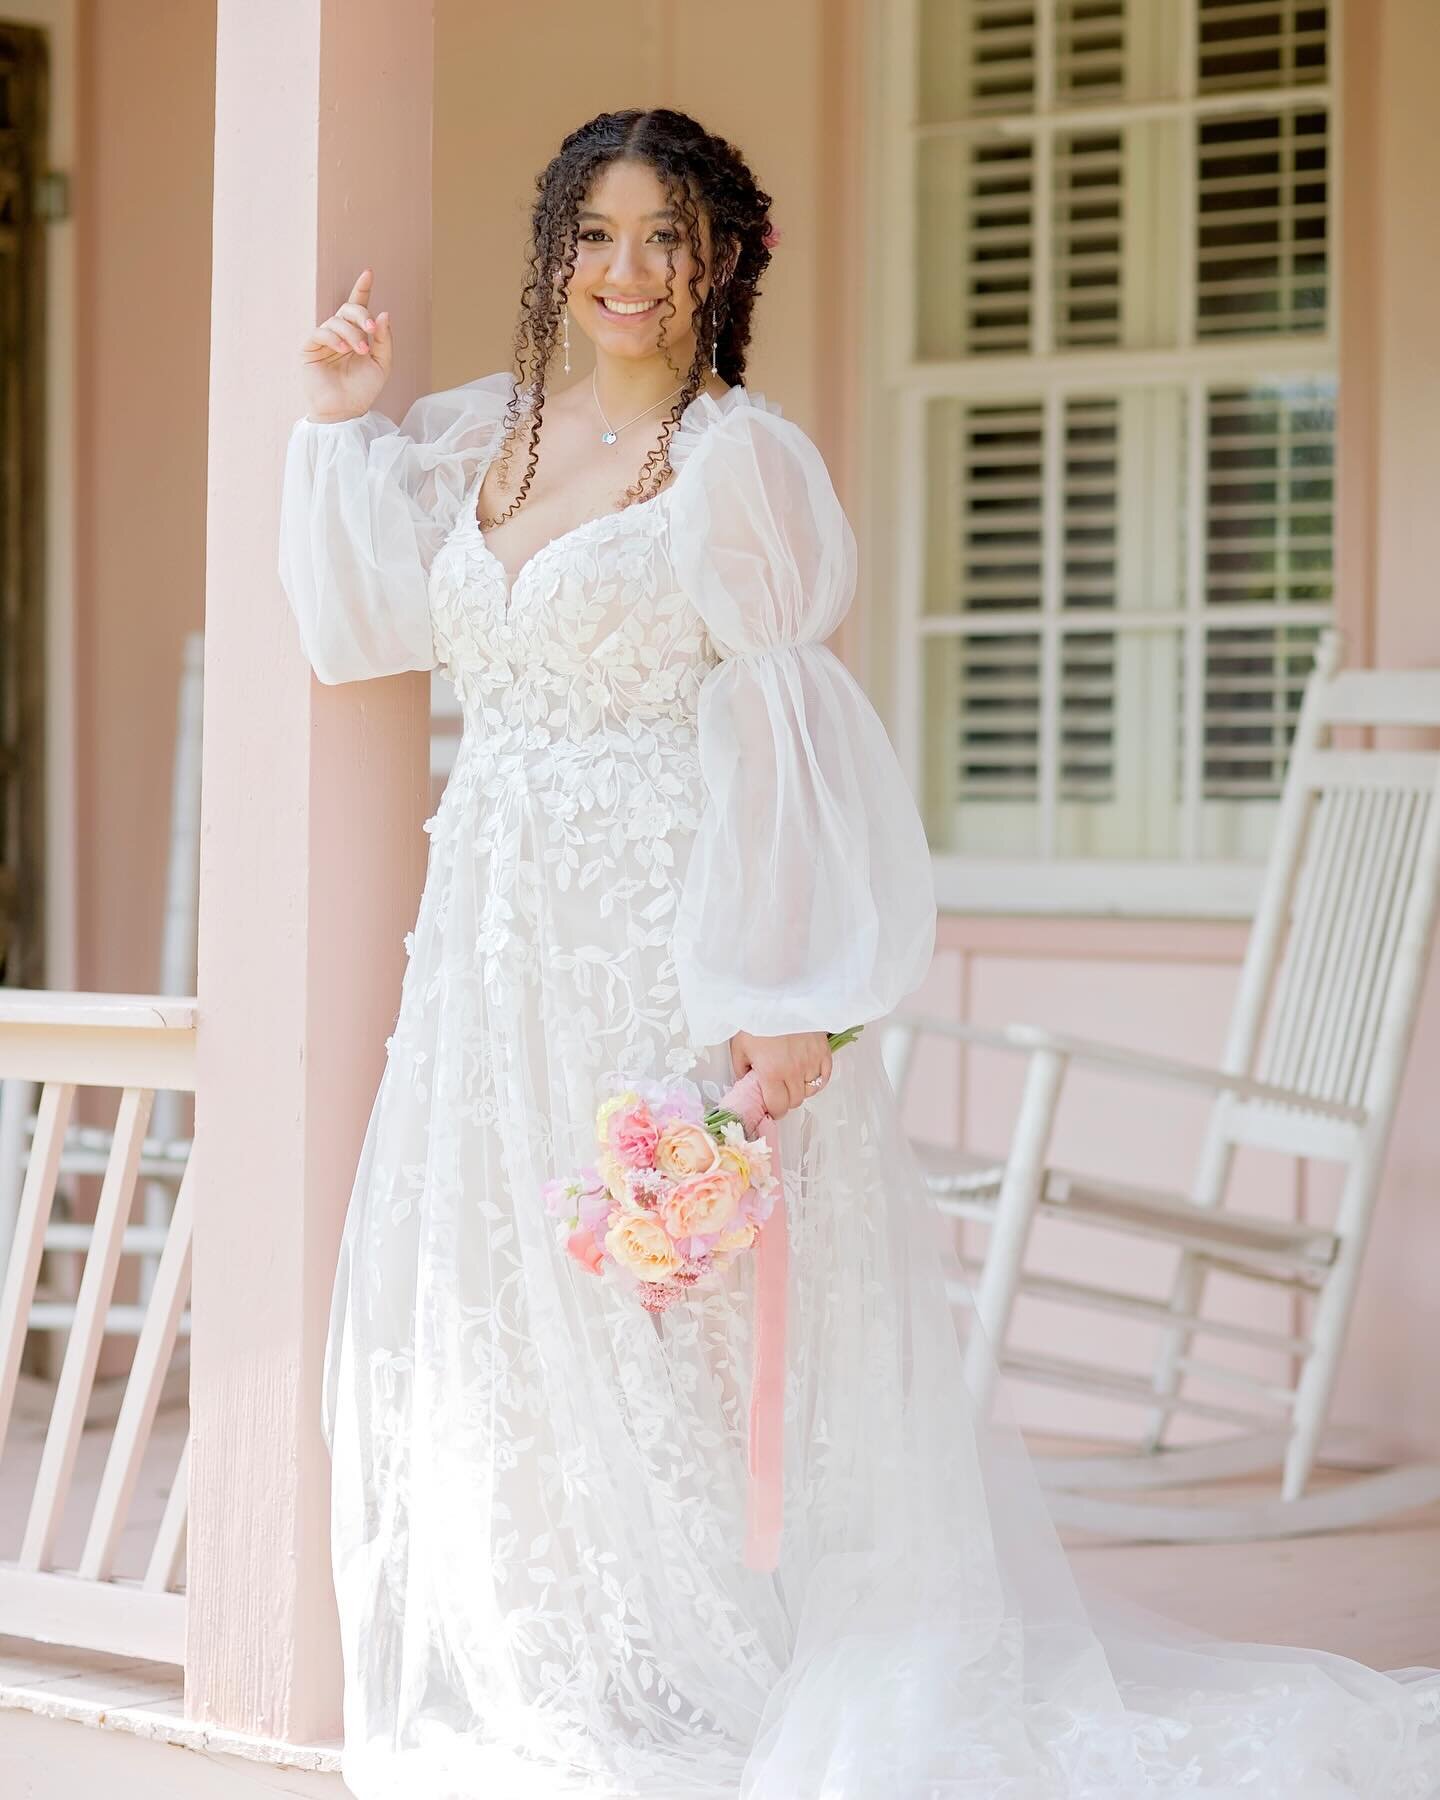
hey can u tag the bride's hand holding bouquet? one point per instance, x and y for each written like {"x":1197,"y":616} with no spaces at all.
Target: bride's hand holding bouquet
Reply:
{"x":678,"y":1189}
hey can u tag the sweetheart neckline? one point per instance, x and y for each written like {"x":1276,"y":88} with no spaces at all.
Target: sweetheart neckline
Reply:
{"x":471,"y":503}
{"x":508,"y":583}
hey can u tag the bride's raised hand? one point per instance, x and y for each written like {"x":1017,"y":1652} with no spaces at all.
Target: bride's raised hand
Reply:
{"x":346,"y":359}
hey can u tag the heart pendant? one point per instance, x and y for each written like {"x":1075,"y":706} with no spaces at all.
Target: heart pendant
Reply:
{"x":607,"y":437}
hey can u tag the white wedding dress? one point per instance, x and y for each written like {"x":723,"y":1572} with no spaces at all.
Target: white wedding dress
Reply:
{"x":674,"y":815}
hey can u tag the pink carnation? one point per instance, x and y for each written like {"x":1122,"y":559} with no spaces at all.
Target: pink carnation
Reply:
{"x":634,"y":1135}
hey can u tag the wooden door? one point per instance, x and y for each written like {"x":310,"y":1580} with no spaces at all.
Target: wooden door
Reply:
{"x":23,"y":119}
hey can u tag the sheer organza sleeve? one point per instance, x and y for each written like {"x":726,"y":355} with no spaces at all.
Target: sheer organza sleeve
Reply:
{"x":808,"y":902}
{"x":365,"y":504}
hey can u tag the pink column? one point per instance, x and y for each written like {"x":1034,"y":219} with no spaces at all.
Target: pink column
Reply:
{"x":312,"y":854}
{"x":1389,"y":543}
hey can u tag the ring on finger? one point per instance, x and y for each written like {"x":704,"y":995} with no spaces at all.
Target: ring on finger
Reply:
{"x":815,"y":1081}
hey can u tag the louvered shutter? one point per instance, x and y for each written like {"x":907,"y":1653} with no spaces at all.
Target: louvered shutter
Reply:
{"x":1269,"y":543}
{"x":1124,"y":575}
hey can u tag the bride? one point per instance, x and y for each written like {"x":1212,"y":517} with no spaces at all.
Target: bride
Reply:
{"x":676,"y":842}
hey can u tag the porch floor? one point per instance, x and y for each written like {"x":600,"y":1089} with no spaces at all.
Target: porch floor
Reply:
{"x":1373,"y":1595}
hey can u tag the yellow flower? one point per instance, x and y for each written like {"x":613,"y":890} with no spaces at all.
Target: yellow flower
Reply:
{"x":758,"y":1155}
{"x":612,"y":1105}
{"x":733,"y":1157}
{"x":612,"y":1173}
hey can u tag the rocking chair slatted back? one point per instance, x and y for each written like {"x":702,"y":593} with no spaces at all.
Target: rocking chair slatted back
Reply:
{"x":1314,"y":1057}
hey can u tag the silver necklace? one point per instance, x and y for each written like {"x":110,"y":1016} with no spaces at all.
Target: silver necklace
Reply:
{"x":611,"y":432}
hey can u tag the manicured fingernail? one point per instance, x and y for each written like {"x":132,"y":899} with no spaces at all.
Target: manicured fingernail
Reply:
{"x":369,"y":324}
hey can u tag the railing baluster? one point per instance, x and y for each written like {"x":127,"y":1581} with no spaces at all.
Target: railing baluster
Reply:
{"x":72,"y":1396}
{"x":36,"y":1199}
{"x":142,"y":1391}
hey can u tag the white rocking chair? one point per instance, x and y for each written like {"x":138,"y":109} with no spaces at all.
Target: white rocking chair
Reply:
{"x":1312,"y":1067}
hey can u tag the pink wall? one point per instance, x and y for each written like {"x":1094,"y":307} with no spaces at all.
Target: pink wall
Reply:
{"x":142,"y":195}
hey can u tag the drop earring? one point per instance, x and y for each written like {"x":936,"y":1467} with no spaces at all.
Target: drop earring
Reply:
{"x":565,"y":316}
{"x":715,"y":336}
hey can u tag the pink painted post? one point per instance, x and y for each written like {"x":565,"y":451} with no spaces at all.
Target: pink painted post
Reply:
{"x":312,"y":855}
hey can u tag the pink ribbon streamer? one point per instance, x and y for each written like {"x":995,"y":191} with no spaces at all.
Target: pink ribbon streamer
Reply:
{"x":766,"y":1495}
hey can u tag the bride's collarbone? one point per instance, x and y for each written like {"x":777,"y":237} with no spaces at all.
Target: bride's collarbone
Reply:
{"x":566,"y":493}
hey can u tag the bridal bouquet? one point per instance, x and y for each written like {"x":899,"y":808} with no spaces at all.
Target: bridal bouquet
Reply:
{"x":677,"y":1190}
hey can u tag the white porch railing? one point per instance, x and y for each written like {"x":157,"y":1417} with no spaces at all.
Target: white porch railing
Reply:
{"x":142,"y":1045}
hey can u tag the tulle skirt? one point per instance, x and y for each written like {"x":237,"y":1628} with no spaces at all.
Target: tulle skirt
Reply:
{"x":539,"y":1488}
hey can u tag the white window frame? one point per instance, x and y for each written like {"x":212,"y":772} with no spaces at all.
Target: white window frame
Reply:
{"x":900,"y":387}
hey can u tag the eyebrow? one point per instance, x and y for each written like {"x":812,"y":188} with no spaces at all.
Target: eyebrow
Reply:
{"x":586,"y":213}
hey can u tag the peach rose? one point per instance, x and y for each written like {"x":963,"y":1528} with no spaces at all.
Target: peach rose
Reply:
{"x":640,"y":1243}
{"x":736,"y":1239}
{"x":701,"y":1204}
{"x":686,"y":1149}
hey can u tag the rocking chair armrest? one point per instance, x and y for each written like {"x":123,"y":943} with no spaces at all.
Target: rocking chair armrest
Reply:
{"x":1028,"y":1039}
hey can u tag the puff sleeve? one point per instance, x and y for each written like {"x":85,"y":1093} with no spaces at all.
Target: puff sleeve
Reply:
{"x":365,"y":504}
{"x":808,"y":901}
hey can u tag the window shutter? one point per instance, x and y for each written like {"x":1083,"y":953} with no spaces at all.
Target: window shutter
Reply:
{"x":1269,"y":541}
{"x":1260,"y":44}
{"x":1001,"y":511}
{"x":1001,"y":521}
{"x":1262,"y":209}
{"x":1088,"y":246}
{"x":1089,"y":576}
{"x":1122,"y":250}
{"x":1089,"y":50}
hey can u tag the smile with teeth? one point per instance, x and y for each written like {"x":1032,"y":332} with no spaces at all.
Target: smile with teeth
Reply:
{"x":626,"y":309}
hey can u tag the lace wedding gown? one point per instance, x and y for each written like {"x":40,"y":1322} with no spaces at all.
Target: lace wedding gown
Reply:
{"x":674,"y":815}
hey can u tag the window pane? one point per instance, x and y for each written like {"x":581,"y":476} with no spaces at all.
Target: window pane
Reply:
{"x":982,"y":733}
{"x":1090,"y":501}
{"x":975,"y":57}
{"x":1262,"y":230}
{"x":1260,"y":44}
{"x":1254,"y":683}
{"x":986,"y":507}
{"x":976,"y":221}
{"x":1089,"y":50}
{"x":1088,"y":242}
{"x":1270,"y":495}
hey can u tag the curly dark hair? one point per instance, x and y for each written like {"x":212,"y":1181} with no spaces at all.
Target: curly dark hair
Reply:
{"x":699,"y":171}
